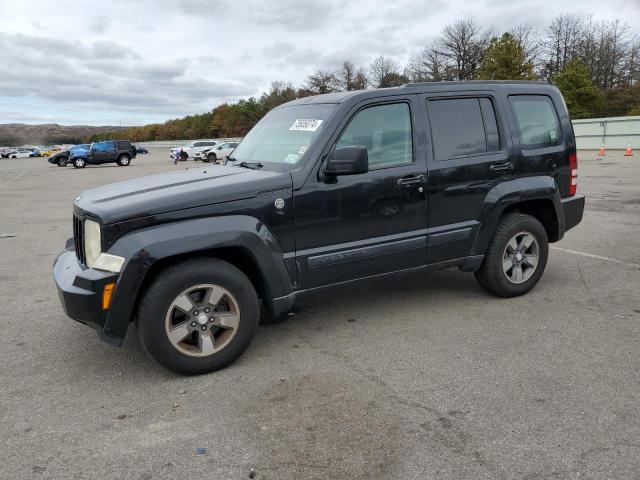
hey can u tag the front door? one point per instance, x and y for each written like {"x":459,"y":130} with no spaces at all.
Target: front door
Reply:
{"x":355,"y":226}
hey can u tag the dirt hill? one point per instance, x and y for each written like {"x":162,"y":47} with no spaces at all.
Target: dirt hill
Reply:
{"x":12,"y":134}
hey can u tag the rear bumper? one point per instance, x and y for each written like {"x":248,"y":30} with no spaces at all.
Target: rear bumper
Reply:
{"x":573,"y":208}
{"x":80,"y":292}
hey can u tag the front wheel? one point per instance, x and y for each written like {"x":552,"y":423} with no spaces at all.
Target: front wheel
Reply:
{"x":212,"y":158}
{"x":62,"y":162}
{"x":123,"y":160}
{"x":198,"y":316}
{"x":79,"y":163}
{"x":516,"y":257}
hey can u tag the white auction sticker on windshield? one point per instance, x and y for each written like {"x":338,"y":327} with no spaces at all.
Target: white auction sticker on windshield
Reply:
{"x":305,"y":125}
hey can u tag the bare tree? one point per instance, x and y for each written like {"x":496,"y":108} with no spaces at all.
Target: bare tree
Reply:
{"x":562,"y":43}
{"x":320,"y":82}
{"x":348,"y":77}
{"x":430,"y":65}
{"x":529,"y":40}
{"x":381,"y":69}
{"x":462,"y":45}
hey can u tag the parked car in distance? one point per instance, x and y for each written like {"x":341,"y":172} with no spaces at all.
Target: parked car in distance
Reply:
{"x":62,"y":158}
{"x":110,"y":151}
{"x":51,"y":151}
{"x":326,"y":190}
{"x":193,"y":148}
{"x":216,"y":154}
{"x":141,"y":150}
{"x":20,"y":153}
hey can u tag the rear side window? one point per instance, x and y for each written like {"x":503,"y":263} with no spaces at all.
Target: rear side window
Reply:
{"x":123,"y":145}
{"x":386,"y":132}
{"x":462,"y":127}
{"x":537,"y":121}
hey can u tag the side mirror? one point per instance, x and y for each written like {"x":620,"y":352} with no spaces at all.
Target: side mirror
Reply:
{"x":350,"y":160}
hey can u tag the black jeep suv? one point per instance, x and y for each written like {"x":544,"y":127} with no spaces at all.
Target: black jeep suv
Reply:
{"x":111,"y":151}
{"x":325,"y":190}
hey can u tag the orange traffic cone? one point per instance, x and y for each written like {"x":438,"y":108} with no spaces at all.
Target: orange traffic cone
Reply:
{"x":628,"y":152}
{"x":601,"y":151}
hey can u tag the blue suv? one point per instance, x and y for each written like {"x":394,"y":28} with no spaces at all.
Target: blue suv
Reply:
{"x":111,"y":151}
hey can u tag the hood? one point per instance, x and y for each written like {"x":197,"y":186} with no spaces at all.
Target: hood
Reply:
{"x":166,"y":192}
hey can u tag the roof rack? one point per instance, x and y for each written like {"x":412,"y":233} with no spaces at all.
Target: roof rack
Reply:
{"x":463,"y":82}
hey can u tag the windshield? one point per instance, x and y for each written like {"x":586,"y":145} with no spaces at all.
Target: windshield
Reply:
{"x":284,"y":134}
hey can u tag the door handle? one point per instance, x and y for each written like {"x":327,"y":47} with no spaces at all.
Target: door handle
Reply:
{"x":405,"y":181}
{"x":501,"y":167}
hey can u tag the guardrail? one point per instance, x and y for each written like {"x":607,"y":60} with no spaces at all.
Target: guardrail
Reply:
{"x":614,"y":133}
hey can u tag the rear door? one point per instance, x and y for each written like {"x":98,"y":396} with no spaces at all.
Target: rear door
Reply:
{"x":469,"y":154}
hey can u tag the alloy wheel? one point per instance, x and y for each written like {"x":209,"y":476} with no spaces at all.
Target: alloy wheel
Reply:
{"x":202,"y":320}
{"x":520,"y":257}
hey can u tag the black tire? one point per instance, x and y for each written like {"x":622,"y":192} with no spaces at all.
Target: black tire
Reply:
{"x":212,"y":158}
{"x":79,"y":163}
{"x":167,"y":286}
{"x":184,"y":156}
{"x":124,"y":160}
{"x":491,"y":275}
{"x":62,"y":162}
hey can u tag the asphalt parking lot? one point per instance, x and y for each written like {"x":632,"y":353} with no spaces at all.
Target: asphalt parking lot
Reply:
{"x":414,"y":376}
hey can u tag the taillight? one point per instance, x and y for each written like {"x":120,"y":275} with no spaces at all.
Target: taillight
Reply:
{"x":573,"y":170}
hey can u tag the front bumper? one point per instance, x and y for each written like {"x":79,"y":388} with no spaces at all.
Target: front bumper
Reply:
{"x":80,"y":292}
{"x":573,"y":208}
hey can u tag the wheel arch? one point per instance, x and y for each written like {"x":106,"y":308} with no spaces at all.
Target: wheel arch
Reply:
{"x":243,"y":241}
{"x":536,"y":196}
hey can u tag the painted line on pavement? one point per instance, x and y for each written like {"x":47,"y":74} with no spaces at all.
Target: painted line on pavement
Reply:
{"x":591,"y":255}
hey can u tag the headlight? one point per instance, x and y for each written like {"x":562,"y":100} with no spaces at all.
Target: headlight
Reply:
{"x":92,"y":242}
{"x":93,"y":250}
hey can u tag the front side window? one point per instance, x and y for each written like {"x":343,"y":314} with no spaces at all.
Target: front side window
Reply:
{"x":386,"y":132}
{"x":462,"y":127}
{"x":537,"y":121}
{"x":285,"y":134}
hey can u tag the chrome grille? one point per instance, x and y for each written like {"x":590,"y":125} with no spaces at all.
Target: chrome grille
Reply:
{"x":78,"y":238}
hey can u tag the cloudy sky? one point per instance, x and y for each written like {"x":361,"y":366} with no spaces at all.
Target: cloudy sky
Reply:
{"x":133,"y":62}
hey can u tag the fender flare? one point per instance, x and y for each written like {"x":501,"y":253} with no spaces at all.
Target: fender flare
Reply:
{"x":143,"y":248}
{"x":510,"y":193}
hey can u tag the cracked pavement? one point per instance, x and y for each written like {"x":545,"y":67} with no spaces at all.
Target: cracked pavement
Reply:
{"x":421,"y":375}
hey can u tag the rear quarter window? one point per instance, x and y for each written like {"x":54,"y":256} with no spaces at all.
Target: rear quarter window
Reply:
{"x":537,"y":121}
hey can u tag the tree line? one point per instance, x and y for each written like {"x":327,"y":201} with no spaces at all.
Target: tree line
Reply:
{"x":596,"y":65}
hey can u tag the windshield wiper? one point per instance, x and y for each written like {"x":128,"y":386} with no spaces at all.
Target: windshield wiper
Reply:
{"x":251,"y":165}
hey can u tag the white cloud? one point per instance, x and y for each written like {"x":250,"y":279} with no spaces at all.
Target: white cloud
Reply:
{"x":148,"y":60}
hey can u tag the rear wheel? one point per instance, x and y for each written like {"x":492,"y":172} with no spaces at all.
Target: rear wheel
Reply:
{"x":123,"y":160}
{"x":516,"y":257}
{"x":79,"y":163}
{"x":198,"y":316}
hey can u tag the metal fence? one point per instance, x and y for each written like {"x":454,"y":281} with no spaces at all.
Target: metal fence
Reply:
{"x":613,"y":133}
{"x":179,"y":143}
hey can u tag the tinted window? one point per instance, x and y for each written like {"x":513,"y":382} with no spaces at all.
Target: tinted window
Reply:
{"x":537,"y":121}
{"x":386,"y":132}
{"x":123,"y":145}
{"x":103,"y":146}
{"x":458,"y":128}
